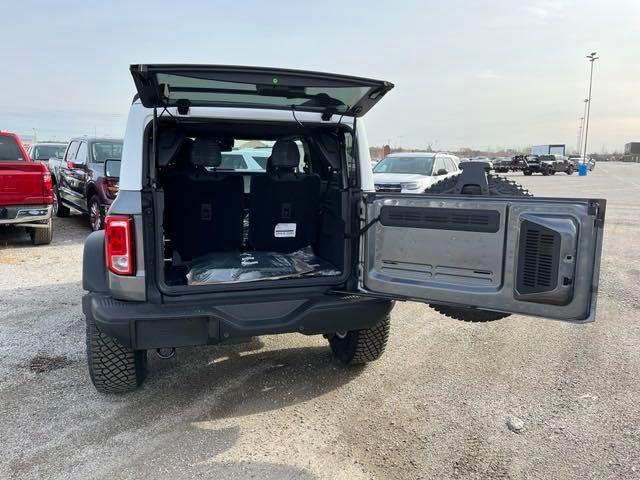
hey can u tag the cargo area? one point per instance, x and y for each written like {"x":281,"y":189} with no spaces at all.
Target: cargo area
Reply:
{"x":251,"y":202}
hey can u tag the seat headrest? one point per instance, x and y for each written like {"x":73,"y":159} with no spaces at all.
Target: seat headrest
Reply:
{"x":285,"y":154}
{"x":205,"y":152}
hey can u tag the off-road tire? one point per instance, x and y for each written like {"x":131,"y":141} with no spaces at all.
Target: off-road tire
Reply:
{"x":113,"y":368}
{"x":358,"y":347}
{"x":42,"y":236}
{"x":527,"y":172}
{"x":569,"y":171}
{"x":498,"y":186}
{"x":59,"y":209}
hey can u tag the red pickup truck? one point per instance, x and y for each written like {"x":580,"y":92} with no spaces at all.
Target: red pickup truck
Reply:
{"x":25,"y":191}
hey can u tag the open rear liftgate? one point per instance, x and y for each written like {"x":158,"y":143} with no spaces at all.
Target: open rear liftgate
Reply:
{"x":536,"y":256}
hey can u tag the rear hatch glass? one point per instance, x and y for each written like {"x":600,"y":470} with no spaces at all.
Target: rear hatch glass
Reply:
{"x":256,"y":87}
{"x":9,"y":151}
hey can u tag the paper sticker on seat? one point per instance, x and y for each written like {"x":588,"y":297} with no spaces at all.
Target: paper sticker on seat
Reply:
{"x":285,"y":230}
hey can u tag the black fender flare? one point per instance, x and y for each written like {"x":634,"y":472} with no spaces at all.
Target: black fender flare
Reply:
{"x":94,"y":267}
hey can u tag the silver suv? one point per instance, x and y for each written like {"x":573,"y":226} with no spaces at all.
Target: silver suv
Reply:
{"x":197,"y":250}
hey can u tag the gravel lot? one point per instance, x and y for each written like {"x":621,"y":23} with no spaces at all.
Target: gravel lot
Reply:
{"x":437,"y":405}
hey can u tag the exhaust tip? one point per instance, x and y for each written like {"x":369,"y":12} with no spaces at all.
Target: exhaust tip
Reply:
{"x":166,"y":353}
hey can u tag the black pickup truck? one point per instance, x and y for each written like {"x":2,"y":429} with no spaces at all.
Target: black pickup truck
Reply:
{"x":548,"y":165}
{"x":79,"y":179}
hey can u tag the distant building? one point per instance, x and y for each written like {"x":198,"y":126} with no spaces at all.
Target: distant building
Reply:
{"x":631,"y":152}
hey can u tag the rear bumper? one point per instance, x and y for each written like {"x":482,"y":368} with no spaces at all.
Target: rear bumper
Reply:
{"x":25,"y":215}
{"x":142,"y":325}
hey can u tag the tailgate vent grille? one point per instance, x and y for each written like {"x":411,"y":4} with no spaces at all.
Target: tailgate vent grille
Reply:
{"x":538,"y":258}
{"x":466,"y":220}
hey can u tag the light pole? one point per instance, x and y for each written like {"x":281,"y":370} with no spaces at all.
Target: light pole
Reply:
{"x":586,"y":100}
{"x":592,"y":58}
{"x":580,"y":136}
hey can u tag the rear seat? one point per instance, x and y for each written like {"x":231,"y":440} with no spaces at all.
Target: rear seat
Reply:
{"x":284,"y":203}
{"x":205,"y":209}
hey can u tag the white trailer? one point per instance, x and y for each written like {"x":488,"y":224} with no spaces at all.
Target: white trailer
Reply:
{"x":557,"y":149}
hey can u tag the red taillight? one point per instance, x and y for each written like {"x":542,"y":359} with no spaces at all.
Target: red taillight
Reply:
{"x":70,"y":164}
{"x":119,"y":244}
{"x":47,"y":185}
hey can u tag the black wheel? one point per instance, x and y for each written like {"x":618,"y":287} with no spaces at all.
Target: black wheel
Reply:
{"x":59,"y":210}
{"x":96,"y":219}
{"x":570,"y":171}
{"x":498,"y":186}
{"x":357,"y":347}
{"x":113,"y":368}
{"x":42,"y":235}
{"x":552,"y":172}
{"x":545,"y":172}
{"x":527,"y":172}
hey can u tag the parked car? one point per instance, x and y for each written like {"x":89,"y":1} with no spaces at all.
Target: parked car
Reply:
{"x":579,"y":160}
{"x":488,"y":163}
{"x":558,"y":163}
{"x":79,"y":178}
{"x":413,"y":172}
{"x":25,"y":191}
{"x":547,"y":165}
{"x":43,"y":151}
{"x":326,"y":254}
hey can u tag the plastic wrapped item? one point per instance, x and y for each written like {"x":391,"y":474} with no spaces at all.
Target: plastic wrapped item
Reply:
{"x":229,"y":267}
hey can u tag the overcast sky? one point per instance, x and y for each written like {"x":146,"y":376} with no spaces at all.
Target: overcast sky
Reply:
{"x":467,"y":73}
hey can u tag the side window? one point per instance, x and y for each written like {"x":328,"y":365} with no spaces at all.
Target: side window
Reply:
{"x":71,"y":151}
{"x":81,"y":156}
{"x":450,"y":165}
{"x":439,"y":165}
{"x":352,"y":169}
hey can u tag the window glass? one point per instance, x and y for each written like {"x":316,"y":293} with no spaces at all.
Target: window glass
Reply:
{"x":45,"y":152}
{"x":201,"y":91}
{"x":81,"y":156}
{"x":352,"y":168}
{"x":420,"y":165}
{"x":439,"y":165}
{"x":233,"y":161}
{"x":262,"y":161}
{"x":449,"y":164}
{"x":104,"y":149}
{"x":71,"y":151}
{"x":9,"y":151}
{"x":303,"y":159}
